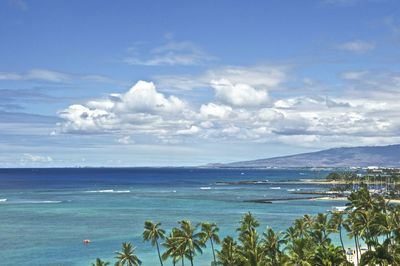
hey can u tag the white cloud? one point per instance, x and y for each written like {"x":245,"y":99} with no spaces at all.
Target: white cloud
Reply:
{"x":357,"y":46}
{"x":97,"y":78}
{"x":239,"y":94}
{"x":189,"y":131}
{"x":27,"y":157}
{"x":353,"y":75}
{"x":366,"y":109}
{"x":141,"y":110}
{"x":125,"y":140}
{"x":260,"y":77}
{"x":52,"y":76}
{"x":35,"y":74}
{"x":143,"y":98}
{"x":212,"y":111}
{"x":171,"y":53}
{"x":48,"y":75}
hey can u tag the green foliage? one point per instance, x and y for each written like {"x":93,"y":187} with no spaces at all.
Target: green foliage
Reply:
{"x":367,"y":219}
{"x":152,"y":232}
{"x":99,"y":262}
{"x":210,"y":232}
{"x":126,"y":256}
{"x":230,"y":253}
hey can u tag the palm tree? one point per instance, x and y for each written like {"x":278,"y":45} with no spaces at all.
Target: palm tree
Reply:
{"x":251,"y":249}
{"x":271,"y":246}
{"x":300,"y":252}
{"x":172,"y":249}
{"x":379,"y":256}
{"x":248,"y":222}
{"x":99,"y":262}
{"x":301,"y":226}
{"x":320,"y":232}
{"x":229,"y":255}
{"x":291,"y":234}
{"x":126,"y":256}
{"x":249,"y":238}
{"x":188,"y":240}
{"x":210,"y":231}
{"x":329,"y":256}
{"x":152,"y":232}
{"x":336,"y":223}
{"x":353,"y":232}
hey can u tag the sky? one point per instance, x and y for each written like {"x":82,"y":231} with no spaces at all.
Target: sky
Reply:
{"x":181,"y":83}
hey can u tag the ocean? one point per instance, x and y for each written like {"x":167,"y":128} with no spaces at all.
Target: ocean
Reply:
{"x":45,"y":214}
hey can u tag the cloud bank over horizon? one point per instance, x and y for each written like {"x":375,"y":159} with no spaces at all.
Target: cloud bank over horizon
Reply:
{"x":246,"y":112}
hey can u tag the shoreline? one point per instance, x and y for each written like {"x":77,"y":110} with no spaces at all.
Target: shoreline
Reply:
{"x":288,"y":182}
{"x":397,"y":201}
{"x":310,"y":181}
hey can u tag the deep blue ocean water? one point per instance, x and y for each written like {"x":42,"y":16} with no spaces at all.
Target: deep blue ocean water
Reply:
{"x":48,"y":212}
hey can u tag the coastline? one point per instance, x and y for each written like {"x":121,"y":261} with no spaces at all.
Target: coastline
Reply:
{"x":397,"y":201}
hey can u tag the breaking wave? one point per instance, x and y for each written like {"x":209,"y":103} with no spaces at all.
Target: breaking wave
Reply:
{"x":108,"y":191}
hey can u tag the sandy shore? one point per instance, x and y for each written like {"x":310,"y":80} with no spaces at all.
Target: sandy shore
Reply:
{"x":397,"y":201}
{"x":329,"y":182}
{"x":331,"y":198}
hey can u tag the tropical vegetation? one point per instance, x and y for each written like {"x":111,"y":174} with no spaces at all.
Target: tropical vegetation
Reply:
{"x":371,"y":222}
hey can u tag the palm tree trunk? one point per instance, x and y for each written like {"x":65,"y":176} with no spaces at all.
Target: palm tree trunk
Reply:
{"x":191,"y":257}
{"x":341,"y":239}
{"x":158,"y":251}
{"x":212,"y":246}
{"x":355,"y":241}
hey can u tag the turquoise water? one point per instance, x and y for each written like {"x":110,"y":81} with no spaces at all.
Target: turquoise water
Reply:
{"x":48,"y":212}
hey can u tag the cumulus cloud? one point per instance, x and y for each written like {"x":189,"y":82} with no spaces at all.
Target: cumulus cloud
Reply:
{"x":215,"y":111}
{"x":144,"y":98}
{"x":189,"y":131}
{"x":245,"y":111}
{"x":260,"y":77}
{"x":239,"y":94}
{"x":357,"y":46}
{"x":141,"y":109}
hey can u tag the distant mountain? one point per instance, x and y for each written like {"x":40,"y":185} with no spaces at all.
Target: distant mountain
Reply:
{"x":384,"y":156}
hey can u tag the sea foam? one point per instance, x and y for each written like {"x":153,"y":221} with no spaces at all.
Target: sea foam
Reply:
{"x":108,"y":191}
{"x":35,"y":202}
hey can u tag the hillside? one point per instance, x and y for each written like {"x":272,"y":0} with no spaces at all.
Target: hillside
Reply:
{"x":385,"y":156}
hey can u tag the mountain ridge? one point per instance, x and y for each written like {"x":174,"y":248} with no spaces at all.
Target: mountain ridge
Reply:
{"x":361,"y":156}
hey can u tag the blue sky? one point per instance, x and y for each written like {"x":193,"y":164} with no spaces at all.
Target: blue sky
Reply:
{"x":130,"y":83}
